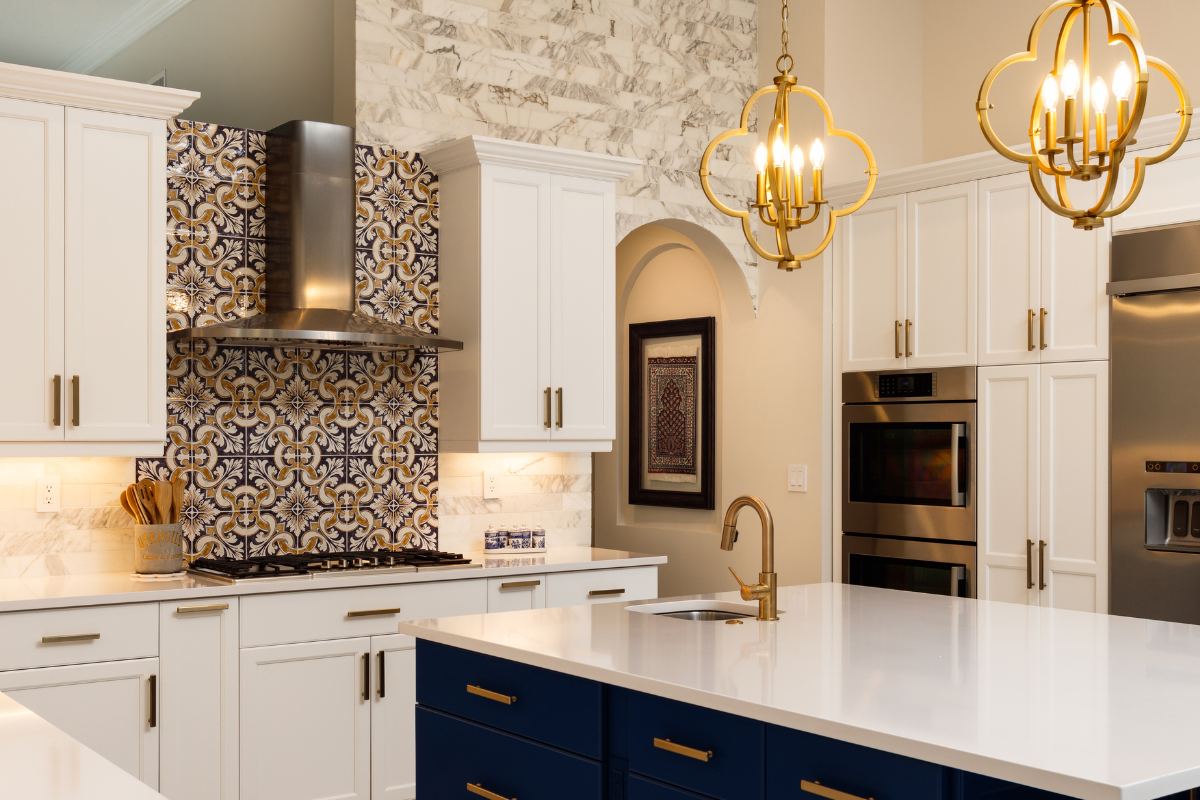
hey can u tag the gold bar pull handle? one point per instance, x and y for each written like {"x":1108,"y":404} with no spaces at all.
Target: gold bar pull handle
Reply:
{"x":202,"y":609}
{"x":1031,"y":316}
{"x":73,"y":637}
{"x":153,"y":701}
{"x":1041,"y":564}
{"x":382,"y":688}
{"x":75,"y":400}
{"x":548,"y":408}
{"x":1043,"y":328}
{"x":477,"y":788}
{"x":1029,"y":563}
{"x":374,"y":612}
{"x":507,"y":699}
{"x":898,"y":353}
{"x":678,"y":749}
{"x":559,"y":393}
{"x":57,"y":400}
{"x":604,"y":592}
{"x":814,"y":787}
{"x":366,"y":695}
{"x":519,"y":584}
{"x":908,"y":338}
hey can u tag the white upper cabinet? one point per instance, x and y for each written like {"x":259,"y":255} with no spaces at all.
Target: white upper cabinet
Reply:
{"x":83,"y":224}
{"x":1010,"y":259}
{"x":873,"y":291}
{"x":941,"y":276}
{"x":1168,"y":194}
{"x":1074,"y":274}
{"x":527,"y":251}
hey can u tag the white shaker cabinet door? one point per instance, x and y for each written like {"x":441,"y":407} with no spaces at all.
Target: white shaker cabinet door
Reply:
{"x":873,"y":291}
{"x":1168,"y":195}
{"x":198,"y":699}
{"x":393,"y":717}
{"x":1074,"y":275}
{"x":518,"y":593}
{"x":1074,"y":486}
{"x":31,"y":261}
{"x":1007,"y":483}
{"x":115,"y":378}
{"x":306,"y":722}
{"x":942,"y":254}
{"x":1010,"y":255}
{"x":107,"y":707}
{"x":514,"y":304}
{"x":583,"y":313}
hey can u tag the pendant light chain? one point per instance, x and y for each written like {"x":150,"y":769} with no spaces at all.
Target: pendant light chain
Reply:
{"x":784,"y":39}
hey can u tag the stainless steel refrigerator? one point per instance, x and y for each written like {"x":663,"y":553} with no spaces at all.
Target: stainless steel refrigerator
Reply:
{"x":1155,"y":468}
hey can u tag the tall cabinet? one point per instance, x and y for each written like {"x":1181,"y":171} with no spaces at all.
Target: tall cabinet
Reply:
{"x":527,"y":256}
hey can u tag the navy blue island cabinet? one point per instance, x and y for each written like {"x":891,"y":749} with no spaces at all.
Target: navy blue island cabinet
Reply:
{"x":500,"y":730}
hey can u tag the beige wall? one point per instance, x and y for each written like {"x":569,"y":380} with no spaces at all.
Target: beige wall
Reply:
{"x":256,"y":64}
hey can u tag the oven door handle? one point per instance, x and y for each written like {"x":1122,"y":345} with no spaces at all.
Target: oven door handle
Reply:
{"x":958,"y":432}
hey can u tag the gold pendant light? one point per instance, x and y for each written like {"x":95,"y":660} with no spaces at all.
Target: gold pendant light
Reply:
{"x":779,"y":200}
{"x":1084,"y":118}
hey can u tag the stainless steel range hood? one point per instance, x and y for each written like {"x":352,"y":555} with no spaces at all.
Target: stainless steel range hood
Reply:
{"x":310,"y":286}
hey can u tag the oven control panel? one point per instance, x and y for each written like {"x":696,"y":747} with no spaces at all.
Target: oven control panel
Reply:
{"x":908,"y":384}
{"x":1174,"y":467}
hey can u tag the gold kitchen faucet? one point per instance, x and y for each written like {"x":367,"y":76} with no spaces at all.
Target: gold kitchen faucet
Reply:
{"x":763,"y":591}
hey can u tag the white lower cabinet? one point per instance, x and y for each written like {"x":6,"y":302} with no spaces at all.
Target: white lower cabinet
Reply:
{"x":109,"y":707}
{"x":393,"y":717}
{"x":1043,"y":485}
{"x":306,"y":721}
{"x":519,"y":593}
{"x":601,"y":586}
{"x":198,"y":699}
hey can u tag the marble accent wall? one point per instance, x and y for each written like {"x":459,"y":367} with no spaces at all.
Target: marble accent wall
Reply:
{"x":654,"y":80}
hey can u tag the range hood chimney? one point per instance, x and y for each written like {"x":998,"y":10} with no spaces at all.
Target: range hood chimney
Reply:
{"x":310,"y":285}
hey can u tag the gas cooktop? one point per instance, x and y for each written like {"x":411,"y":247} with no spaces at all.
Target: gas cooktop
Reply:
{"x":319,"y":564}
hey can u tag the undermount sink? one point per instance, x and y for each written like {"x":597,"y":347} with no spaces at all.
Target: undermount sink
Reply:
{"x":698,"y":610}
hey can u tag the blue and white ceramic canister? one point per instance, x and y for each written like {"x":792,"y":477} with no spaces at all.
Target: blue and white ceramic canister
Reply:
{"x":494,"y":539}
{"x":519,"y":537}
{"x":538,"y":538}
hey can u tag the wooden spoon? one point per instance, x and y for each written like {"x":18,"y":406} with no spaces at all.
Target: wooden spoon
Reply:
{"x":177,"y":500}
{"x":129,"y":507}
{"x":145,"y":496}
{"x":163,"y":494}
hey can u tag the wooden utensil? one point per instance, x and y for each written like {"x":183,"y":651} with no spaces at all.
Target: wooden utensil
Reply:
{"x":144,"y":491}
{"x":130,"y":508}
{"x":163,"y":496}
{"x":177,"y":500}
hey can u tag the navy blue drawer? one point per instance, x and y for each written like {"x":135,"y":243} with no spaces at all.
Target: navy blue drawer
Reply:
{"x":550,"y":707}
{"x":733,"y":772}
{"x":795,"y":756}
{"x":645,"y":789}
{"x":981,"y":787}
{"x":452,"y":753}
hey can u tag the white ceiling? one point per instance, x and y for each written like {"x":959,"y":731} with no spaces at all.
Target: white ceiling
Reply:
{"x":76,"y":35}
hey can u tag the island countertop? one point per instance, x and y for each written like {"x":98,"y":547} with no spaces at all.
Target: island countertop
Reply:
{"x":1088,"y":705}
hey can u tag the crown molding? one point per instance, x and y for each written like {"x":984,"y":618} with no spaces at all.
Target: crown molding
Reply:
{"x":472,"y":151}
{"x":87,"y":91}
{"x":129,"y":27}
{"x":1154,"y":132}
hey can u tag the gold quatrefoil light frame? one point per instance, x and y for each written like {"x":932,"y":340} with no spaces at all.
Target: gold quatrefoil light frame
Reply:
{"x":1039,"y":164}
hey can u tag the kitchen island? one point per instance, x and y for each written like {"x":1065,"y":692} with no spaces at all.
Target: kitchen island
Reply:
{"x":854,"y":692}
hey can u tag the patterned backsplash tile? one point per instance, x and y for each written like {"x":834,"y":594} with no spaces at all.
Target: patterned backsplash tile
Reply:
{"x":290,"y":450}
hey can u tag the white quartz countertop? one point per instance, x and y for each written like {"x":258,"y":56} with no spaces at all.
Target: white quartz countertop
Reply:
{"x":1089,"y":705}
{"x":25,"y":594}
{"x":40,"y":762}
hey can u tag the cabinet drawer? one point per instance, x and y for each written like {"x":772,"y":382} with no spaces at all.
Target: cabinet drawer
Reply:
{"x":722,"y":754}
{"x":516,"y":593}
{"x":981,"y":787}
{"x":78,"y":635}
{"x":561,"y":710}
{"x":645,"y":789}
{"x":313,"y":616}
{"x":794,"y":756}
{"x":452,"y":753}
{"x":601,"y":586}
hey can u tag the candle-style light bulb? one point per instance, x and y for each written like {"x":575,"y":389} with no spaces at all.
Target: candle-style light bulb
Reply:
{"x":817,"y":155}
{"x":1122,"y":81}
{"x":760,"y":161}
{"x":797,"y":159}
{"x":1099,"y":96}
{"x":1049,"y":93}
{"x":760,"y":157}
{"x":1070,"y":80}
{"x":779,"y":151}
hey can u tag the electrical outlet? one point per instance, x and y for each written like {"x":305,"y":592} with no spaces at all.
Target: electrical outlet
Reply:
{"x":48,"y":494}
{"x":491,"y":487}
{"x":797,"y":478}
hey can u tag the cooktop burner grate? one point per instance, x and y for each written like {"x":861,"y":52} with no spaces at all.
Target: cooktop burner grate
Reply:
{"x":284,"y":565}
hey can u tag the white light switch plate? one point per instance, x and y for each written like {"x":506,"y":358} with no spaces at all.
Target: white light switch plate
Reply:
{"x":491,"y":487}
{"x":797,"y":478}
{"x":48,"y":494}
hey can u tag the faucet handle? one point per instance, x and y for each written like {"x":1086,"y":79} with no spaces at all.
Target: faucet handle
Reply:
{"x":755,"y":592}
{"x":741,"y":583}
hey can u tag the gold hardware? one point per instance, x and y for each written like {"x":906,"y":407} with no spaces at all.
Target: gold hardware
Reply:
{"x":374,"y":612}
{"x":547,"y":408}
{"x":74,"y":637}
{"x":898,"y":353}
{"x":201,"y":609}
{"x":814,"y":787}
{"x":57,"y":400}
{"x":75,"y":400}
{"x":519,"y":584}
{"x":382,"y":692}
{"x":779,"y":200}
{"x":604,"y":592}
{"x":153,"y":701}
{"x":476,"y":788}
{"x":1043,"y":327}
{"x":678,"y":749}
{"x":1041,"y":564}
{"x":1044,"y":137}
{"x":1029,"y":563}
{"x":559,"y":393}
{"x":764,"y":591}
{"x":908,"y":337}
{"x":733,"y":622}
{"x":1031,"y":316}
{"x":366,"y":676}
{"x":507,"y":699}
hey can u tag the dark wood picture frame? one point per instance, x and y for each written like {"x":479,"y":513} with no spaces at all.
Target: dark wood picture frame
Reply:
{"x":705,"y":328}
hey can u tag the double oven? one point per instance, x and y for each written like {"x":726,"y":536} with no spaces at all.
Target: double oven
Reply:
{"x":908,"y":480}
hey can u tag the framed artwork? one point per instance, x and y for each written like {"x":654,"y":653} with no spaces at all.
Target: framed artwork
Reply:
{"x":672,"y":413}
